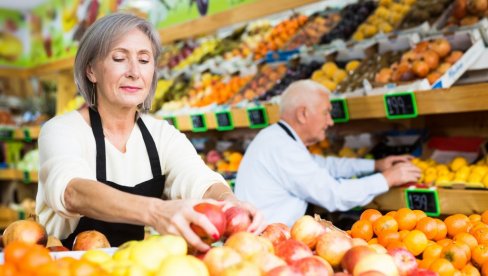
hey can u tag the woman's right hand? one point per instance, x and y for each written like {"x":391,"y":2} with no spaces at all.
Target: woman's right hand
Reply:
{"x":175,"y":217}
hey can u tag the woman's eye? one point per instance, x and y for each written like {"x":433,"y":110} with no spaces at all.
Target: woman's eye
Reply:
{"x":118,"y":59}
{"x":144,"y":61}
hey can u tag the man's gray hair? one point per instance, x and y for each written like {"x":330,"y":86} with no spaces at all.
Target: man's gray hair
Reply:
{"x":96,"y":44}
{"x":302,"y":92}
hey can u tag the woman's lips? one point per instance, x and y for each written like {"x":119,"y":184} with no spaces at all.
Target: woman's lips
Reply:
{"x":130,"y":88}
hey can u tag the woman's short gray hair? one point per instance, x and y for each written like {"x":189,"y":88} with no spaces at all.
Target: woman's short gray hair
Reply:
{"x":96,"y":44}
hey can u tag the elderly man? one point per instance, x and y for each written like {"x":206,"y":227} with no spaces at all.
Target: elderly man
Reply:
{"x":280,"y":177}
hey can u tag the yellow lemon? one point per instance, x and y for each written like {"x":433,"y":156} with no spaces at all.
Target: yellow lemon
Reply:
{"x":481,"y":170}
{"x":430,"y":178}
{"x":475,"y":178}
{"x":96,"y":256}
{"x":174,"y":245}
{"x":485,"y":181}
{"x":458,"y":163}
{"x":182,"y":265}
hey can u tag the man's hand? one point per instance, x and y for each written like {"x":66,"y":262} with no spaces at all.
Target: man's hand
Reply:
{"x":388,"y":162}
{"x":401,"y":173}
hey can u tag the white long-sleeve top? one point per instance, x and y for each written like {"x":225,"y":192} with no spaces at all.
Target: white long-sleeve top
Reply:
{"x":280,"y":176}
{"x":67,"y":150}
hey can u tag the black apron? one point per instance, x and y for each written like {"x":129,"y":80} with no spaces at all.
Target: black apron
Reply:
{"x":118,"y":233}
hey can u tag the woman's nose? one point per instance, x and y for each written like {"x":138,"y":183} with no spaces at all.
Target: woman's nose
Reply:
{"x":133,"y":70}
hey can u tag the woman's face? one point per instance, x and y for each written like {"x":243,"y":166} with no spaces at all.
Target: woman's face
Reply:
{"x":123,"y":78}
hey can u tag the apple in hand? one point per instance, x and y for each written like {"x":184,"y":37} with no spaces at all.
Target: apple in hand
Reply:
{"x":216,"y":216}
{"x":404,"y":260}
{"x":238,"y":219}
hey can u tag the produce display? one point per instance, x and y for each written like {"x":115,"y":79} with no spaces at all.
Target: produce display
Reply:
{"x":467,"y":12}
{"x":331,"y":76}
{"x":403,"y":242}
{"x":424,"y":11}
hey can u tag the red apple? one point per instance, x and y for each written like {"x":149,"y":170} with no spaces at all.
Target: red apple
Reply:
{"x":266,"y":261}
{"x":57,"y":248}
{"x":248,"y":244}
{"x":240,"y":269}
{"x":274,"y":233}
{"x":284,"y":228}
{"x":238,"y":219}
{"x":91,"y":239}
{"x":332,"y":246}
{"x":372,"y":273}
{"x":311,"y":266}
{"x":306,"y":229}
{"x":217,"y":218}
{"x":379,"y":262}
{"x":420,"y":68}
{"x":353,"y":255}
{"x":283,"y":270}
{"x":218,"y":259}
{"x":404,"y":260}
{"x":441,"y":46}
{"x":292,"y":250}
{"x":342,"y":274}
{"x":28,"y":231}
{"x":423,"y":272}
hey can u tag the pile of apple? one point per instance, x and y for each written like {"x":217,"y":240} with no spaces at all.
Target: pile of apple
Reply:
{"x":428,"y":59}
{"x":467,"y":12}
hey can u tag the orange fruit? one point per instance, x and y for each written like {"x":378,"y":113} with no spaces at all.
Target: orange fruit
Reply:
{"x":432,"y":251}
{"x":420,"y":214}
{"x":441,"y":230}
{"x":484,"y":217}
{"x":466,"y":238}
{"x":406,"y":219}
{"x":370,"y":214}
{"x":428,"y":226}
{"x":391,"y":214}
{"x":474,"y":217}
{"x":395,"y":244}
{"x":481,"y":235}
{"x":416,"y":242}
{"x":385,"y":224}
{"x":14,"y":252}
{"x":388,"y":237}
{"x":442,"y":267}
{"x":403,"y":234}
{"x":484,"y":269}
{"x":455,"y":254}
{"x":444,"y":242}
{"x":37,"y":256}
{"x":475,"y":226}
{"x":457,"y":223}
{"x":373,"y":241}
{"x":362,"y":229}
{"x":82,"y":267}
{"x":426,"y":262}
{"x":8,"y":269}
{"x":470,"y":270}
{"x":479,"y":255}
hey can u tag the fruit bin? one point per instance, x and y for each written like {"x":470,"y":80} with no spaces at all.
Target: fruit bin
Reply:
{"x":467,"y":41}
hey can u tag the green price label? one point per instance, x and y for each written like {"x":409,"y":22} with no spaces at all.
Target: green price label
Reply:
{"x":258,"y":118}
{"x":426,"y":200}
{"x":26,"y":177}
{"x":27,"y":136}
{"x":340,"y":112}
{"x":400,"y":105}
{"x":224,"y":120}
{"x":172,"y":121}
{"x":198,"y":122}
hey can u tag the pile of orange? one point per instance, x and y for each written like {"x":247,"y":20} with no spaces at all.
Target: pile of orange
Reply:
{"x":31,"y":259}
{"x":456,"y":245}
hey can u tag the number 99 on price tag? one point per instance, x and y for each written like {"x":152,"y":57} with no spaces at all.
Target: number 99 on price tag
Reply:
{"x":400,"y":105}
{"x":426,"y":200}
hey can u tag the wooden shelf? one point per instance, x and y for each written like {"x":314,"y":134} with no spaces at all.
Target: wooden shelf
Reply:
{"x":451,"y":201}
{"x":13,"y":174}
{"x":465,"y":98}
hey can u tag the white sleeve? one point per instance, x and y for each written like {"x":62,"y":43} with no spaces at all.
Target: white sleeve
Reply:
{"x":313,"y":183}
{"x":61,"y":160}
{"x":345,"y":167}
{"x":185,"y":170}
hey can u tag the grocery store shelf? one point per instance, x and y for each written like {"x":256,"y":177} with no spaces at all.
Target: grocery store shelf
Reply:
{"x":464,"y":98}
{"x":13,"y":174}
{"x":22,"y":133}
{"x":242,"y":13}
{"x":451,"y":201}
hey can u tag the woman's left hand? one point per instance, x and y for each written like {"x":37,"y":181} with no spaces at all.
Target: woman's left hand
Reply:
{"x":258,"y":224}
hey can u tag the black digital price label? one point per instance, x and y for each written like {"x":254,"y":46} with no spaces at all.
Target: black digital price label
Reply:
{"x":171,"y":120}
{"x":198,"y":122}
{"x":423,"y":199}
{"x":224,"y":120}
{"x":340,"y":112}
{"x":400,"y":105}
{"x":258,"y":118}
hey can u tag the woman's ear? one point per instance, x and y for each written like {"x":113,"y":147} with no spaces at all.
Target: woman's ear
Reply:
{"x":90,"y":74}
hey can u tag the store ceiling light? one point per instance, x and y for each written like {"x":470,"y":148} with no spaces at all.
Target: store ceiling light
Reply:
{"x":21,"y":5}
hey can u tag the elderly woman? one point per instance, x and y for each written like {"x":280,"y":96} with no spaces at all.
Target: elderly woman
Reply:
{"x":112,"y":168}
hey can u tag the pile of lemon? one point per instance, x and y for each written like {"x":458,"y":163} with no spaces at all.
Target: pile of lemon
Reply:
{"x":458,"y":171}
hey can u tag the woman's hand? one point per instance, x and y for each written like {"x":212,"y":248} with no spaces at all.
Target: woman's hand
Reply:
{"x":175,"y":217}
{"x":258,"y":224}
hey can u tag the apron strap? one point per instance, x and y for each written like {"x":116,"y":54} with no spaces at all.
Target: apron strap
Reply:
{"x":287,"y":130}
{"x":96,"y":123}
{"x":152,"y":151}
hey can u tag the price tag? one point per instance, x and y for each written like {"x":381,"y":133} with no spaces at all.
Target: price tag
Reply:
{"x":224,"y":120}
{"x":171,"y":120}
{"x":26,"y":177}
{"x":258,"y":118}
{"x":6,"y":133}
{"x":423,"y":199}
{"x":198,"y":122}
{"x":27,"y":136}
{"x":400,"y":105}
{"x":340,"y":112}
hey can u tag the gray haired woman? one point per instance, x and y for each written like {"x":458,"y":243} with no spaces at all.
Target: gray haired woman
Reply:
{"x":111,"y":167}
